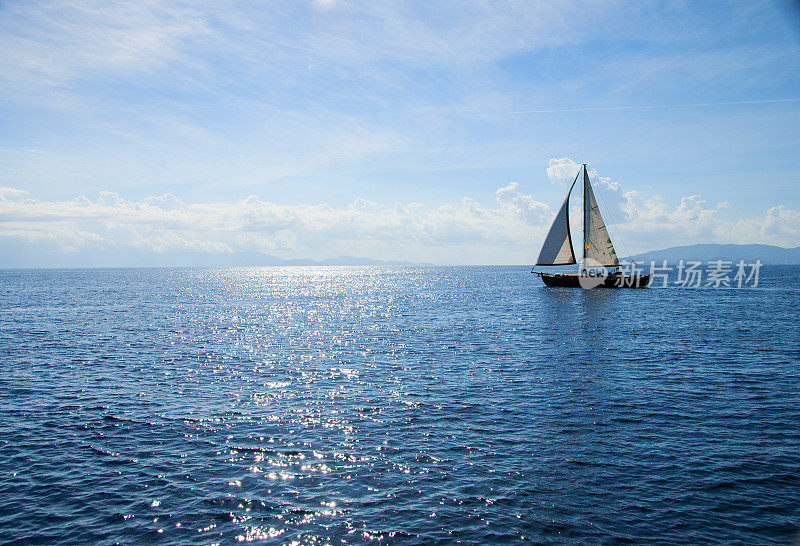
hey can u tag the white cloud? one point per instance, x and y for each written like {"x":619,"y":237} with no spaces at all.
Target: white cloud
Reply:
{"x":508,"y":231}
{"x":165,"y":201}
{"x":562,"y":171}
{"x":165,"y":224}
{"x":65,"y":236}
{"x":651,"y":223}
{"x":11,"y":193}
{"x":780,"y":224}
{"x":530,"y":210}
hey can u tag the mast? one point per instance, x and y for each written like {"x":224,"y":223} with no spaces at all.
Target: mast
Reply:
{"x":585,"y":222}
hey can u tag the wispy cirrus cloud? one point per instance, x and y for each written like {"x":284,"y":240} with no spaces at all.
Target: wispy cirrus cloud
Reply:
{"x":388,"y":100}
{"x":56,"y":45}
{"x":60,"y":43}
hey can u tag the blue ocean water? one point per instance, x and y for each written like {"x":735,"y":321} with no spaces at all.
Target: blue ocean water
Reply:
{"x":401,"y":405}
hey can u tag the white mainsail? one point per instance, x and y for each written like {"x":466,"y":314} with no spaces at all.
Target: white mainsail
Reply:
{"x":597,"y":247}
{"x":557,"y":247}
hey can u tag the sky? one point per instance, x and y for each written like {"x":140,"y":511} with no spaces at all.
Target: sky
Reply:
{"x":441,"y":132}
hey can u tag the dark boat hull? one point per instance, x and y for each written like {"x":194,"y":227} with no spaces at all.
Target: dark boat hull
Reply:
{"x":586,"y":281}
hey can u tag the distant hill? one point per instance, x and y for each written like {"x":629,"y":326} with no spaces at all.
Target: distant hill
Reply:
{"x":768,"y":254}
{"x":22,"y":257}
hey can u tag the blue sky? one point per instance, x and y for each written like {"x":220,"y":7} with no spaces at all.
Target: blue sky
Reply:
{"x":437,"y":131}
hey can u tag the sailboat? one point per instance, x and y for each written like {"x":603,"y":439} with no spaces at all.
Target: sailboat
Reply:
{"x":598,"y":251}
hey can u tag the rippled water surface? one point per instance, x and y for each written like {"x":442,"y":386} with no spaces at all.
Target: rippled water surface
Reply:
{"x":406,"y":405}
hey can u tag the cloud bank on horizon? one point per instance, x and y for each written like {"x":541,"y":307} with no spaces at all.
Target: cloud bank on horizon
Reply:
{"x":393,"y":130}
{"x":511,"y":226}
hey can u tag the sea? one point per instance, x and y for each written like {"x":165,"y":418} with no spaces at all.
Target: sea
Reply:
{"x":395,"y":405}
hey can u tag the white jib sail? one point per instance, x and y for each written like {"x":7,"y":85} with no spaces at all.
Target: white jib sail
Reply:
{"x":597,"y":247}
{"x":557,"y":247}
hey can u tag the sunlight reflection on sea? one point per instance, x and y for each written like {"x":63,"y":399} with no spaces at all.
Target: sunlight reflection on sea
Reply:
{"x":398,"y":404}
